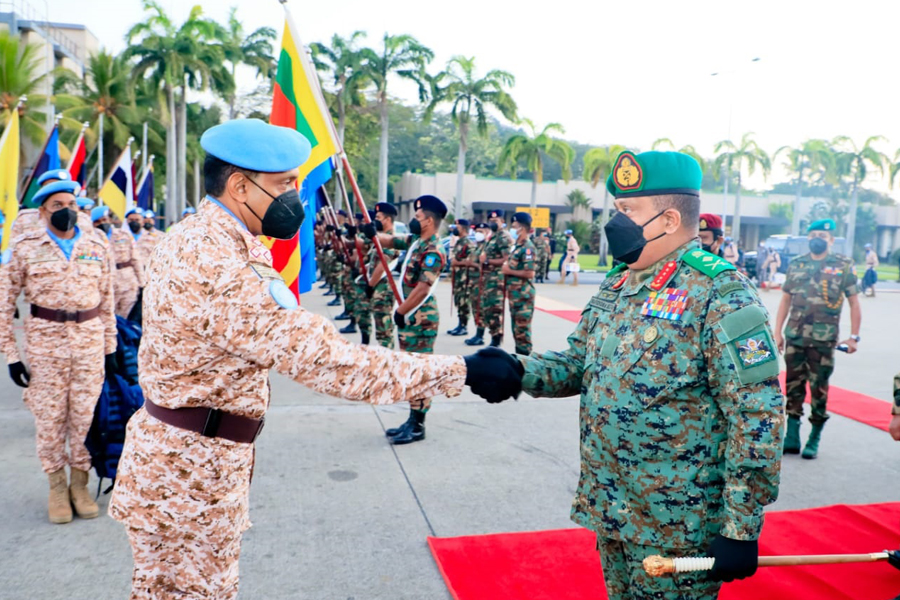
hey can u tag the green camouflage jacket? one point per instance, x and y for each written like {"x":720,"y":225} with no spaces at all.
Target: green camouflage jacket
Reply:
{"x":522,"y":258}
{"x":681,"y":411}
{"x":817,"y":289}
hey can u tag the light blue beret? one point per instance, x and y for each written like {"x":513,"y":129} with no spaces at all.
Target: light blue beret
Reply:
{"x":86,"y":203}
{"x":190,"y":210}
{"x":256,"y":146}
{"x":99,"y":212}
{"x":60,"y":174}
{"x":57,"y":187}
{"x":134,"y":211}
{"x":149,"y":214}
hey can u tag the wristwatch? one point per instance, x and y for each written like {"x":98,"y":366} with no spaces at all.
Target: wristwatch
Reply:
{"x":855,"y":338}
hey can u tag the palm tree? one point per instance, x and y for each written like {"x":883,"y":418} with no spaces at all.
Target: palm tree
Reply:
{"x":468,"y":94}
{"x":405,"y":57}
{"x":598,"y":164}
{"x":19,"y":64}
{"x":808,"y":158}
{"x":854,"y":163}
{"x":531,"y":150}
{"x":736,"y":157}
{"x":688,"y":149}
{"x":347,"y":66}
{"x":253,"y":50}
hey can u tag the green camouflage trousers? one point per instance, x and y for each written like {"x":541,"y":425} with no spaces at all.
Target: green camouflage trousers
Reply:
{"x":492,"y":300}
{"x":541,"y":266}
{"x":347,"y":290}
{"x":475,"y":284}
{"x":813,"y":365}
{"x":383,"y":312}
{"x":418,"y":336}
{"x":625,"y":578}
{"x":362,"y":309}
{"x":520,"y":293}
{"x":461,"y":299}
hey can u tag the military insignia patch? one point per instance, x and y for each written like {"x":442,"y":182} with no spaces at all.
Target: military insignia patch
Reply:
{"x":668,"y":304}
{"x":430,"y":260}
{"x":833,"y":270}
{"x":703,"y":224}
{"x":754,"y":350}
{"x":627,"y":174}
{"x":283,"y":295}
{"x":89,"y":256}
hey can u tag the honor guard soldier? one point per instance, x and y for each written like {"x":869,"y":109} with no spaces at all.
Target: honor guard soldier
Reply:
{"x":542,"y":247}
{"x":363,"y":310}
{"x":86,"y":205}
{"x":476,"y":285}
{"x":681,"y":410}
{"x":813,"y":295}
{"x":64,"y":273}
{"x":417,"y":317}
{"x":495,"y":253}
{"x":463,"y":267}
{"x":217,"y":317}
{"x":519,"y":273}
{"x":712,"y":235}
{"x":378,"y":290}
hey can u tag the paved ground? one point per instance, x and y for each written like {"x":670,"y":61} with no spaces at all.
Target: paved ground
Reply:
{"x":339,"y":514}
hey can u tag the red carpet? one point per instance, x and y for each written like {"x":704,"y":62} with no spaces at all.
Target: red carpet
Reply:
{"x":564,"y":565}
{"x":853,"y":405}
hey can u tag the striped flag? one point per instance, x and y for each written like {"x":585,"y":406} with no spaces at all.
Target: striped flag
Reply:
{"x":48,"y":160}
{"x":145,"y":191}
{"x":77,"y":166}
{"x":9,"y":174}
{"x":297,"y":103}
{"x":118,"y":191}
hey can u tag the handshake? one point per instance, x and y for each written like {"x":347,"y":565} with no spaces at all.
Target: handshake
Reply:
{"x":494,"y":375}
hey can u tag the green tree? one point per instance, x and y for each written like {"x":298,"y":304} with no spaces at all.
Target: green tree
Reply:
{"x":735,"y":158}
{"x":689,"y":150}
{"x":253,"y":50}
{"x":853,"y":164}
{"x":346,"y":65}
{"x":467,"y":94}
{"x":804,"y":162}
{"x":19,"y":64}
{"x":598,"y":164}
{"x":531,"y":150}
{"x":402,"y":56}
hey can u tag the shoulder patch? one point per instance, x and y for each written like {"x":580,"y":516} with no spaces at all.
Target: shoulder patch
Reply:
{"x":726,"y":287}
{"x":431,"y":259}
{"x":283,"y":295}
{"x":708,"y":264}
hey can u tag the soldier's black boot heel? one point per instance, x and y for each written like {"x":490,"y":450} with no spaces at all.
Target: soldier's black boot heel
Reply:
{"x":414,"y":432}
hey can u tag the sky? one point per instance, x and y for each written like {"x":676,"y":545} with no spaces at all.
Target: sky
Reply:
{"x":625,"y":72}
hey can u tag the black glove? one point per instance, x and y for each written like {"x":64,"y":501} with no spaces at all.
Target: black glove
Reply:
{"x":494,"y":375}
{"x":369,"y":230}
{"x":329,"y":228}
{"x":735,"y":559}
{"x":894,"y":558}
{"x":112,"y":365}
{"x":399,"y":320}
{"x":370,"y":291}
{"x":351,"y":231}
{"x":19,"y":374}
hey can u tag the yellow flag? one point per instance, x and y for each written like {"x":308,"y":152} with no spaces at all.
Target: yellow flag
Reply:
{"x":9,"y":175}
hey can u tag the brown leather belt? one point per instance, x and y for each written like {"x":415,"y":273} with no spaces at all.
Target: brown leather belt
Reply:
{"x":210,"y":422}
{"x":125,"y":265}
{"x":64,"y":316}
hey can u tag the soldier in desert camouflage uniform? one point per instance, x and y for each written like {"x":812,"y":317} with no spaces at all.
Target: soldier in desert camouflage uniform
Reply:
{"x":519,"y":273}
{"x":129,"y":275}
{"x":64,"y":273}
{"x":218,"y":318}
{"x":681,"y":411}
{"x":461,"y":270}
{"x":149,"y":238}
{"x":814,"y":291}
{"x":493,"y":286}
{"x":417,"y":317}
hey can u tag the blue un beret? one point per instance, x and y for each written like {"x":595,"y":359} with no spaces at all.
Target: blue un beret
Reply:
{"x":99,"y":212}
{"x":134,"y":211}
{"x":386,"y":208}
{"x":256,"y":146}
{"x":60,"y":174}
{"x":57,"y":187}
{"x":86,"y":203}
{"x":149,"y":214}
{"x":431,"y":204}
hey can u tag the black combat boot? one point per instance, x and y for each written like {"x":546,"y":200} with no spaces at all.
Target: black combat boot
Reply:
{"x":344,"y":316}
{"x":336,"y":301}
{"x":459,"y":329}
{"x":323,"y":285}
{"x":365,"y":338}
{"x":350,"y":328}
{"x":477,"y":339}
{"x":414,"y":432}
{"x":496,"y":340}
{"x":395,"y":431}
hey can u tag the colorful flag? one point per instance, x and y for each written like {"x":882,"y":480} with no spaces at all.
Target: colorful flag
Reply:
{"x":77,"y":166}
{"x":297,"y":103}
{"x":9,"y":175}
{"x":118,"y":191}
{"x":145,"y":191}
{"x":48,"y":159}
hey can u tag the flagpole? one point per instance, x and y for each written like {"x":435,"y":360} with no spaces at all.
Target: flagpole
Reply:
{"x":144,"y":147}
{"x":84,"y":126}
{"x":100,"y":179}
{"x":27,"y":183}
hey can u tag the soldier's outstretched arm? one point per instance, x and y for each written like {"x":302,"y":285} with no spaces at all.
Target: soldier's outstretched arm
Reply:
{"x":743,"y":368}
{"x":559,"y":374}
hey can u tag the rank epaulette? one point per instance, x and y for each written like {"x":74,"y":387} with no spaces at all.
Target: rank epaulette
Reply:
{"x":708,"y":264}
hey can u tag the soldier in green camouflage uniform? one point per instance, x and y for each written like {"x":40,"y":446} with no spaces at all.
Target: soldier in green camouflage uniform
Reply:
{"x":417,"y":317}
{"x":461,"y":269}
{"x":681,"y":411}
{"x":542,"y":248}
{"x":362,"y":311}
{"x":476,"y":284}
{"x":519,"y":273}
{"x":814,"y":291}
{"x":348,"y":274}
{"x":382,"y":298}
{"x":493,"y":285}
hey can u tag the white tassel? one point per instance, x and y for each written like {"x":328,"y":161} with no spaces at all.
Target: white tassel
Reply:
{"x":697,"y":563}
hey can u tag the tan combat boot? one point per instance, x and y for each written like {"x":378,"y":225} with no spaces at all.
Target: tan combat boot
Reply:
{"x":85,"y":507}
{"x":58,"y":506}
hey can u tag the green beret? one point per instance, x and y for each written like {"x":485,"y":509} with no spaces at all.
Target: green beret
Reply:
{"x":822,"y":225}
{"x":654,"y":174}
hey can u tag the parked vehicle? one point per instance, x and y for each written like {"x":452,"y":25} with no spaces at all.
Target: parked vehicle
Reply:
{"x":788,"y":246}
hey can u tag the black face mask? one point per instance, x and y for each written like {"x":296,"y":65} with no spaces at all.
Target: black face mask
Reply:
{"x":818,"y":246}
{"x":64,"y":219}
{"x":134,"y":226}
{"x":284,"y":216}
{"x":494,"y":227}
{"x":415,"y":227}
{"x":707,"y":248}
{"x":104,"y":227}
{"x":379,"y":226}
{"x":148,"y":226}
{"x":453,"y":230}
{"x":626,"y":238}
